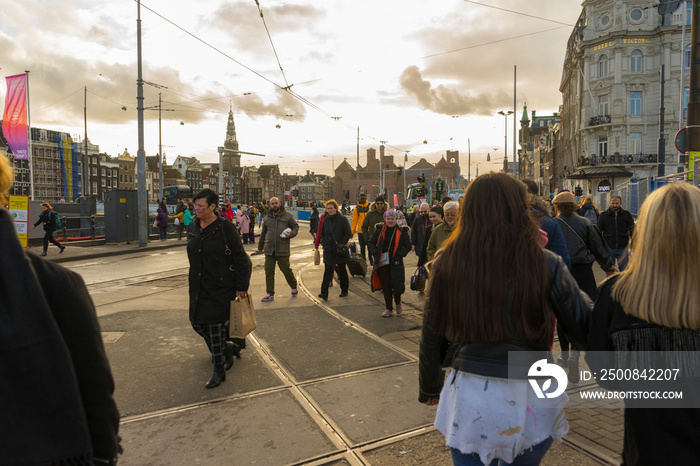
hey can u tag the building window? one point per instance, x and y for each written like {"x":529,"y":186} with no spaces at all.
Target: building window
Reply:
{"x":635,"y":103}
{"x":635,"y":143}
{"x":686,"y":56}
{"x":686,"y":98}
{"x":94,"y":187}
{"x":636,"y":14}
{"x":636,"y":62}
{"x":602,"y":147}
{"x":605,"y":20}
{"x":603,"y":105}
{"x":603,"y":66}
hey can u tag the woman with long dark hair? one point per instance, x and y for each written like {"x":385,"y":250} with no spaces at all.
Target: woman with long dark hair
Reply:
{"x":492,"y":291}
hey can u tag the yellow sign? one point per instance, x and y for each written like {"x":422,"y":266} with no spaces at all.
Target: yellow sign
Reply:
{"x":19,"y":203}
{"x":609,"y":43}
{"x":19,"y":208}
{"x":122,"y":200}
{"x":691,"y":158}
{"x":604,"y":45}
{"x":636,"y":41}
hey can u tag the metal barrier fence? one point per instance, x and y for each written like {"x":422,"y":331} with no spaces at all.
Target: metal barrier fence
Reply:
{"x":634,"y":194}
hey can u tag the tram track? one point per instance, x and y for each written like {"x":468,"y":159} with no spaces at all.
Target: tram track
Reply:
{"x":345,"y":449}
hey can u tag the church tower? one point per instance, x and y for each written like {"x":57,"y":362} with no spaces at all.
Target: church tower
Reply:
{"x":231,"y":159}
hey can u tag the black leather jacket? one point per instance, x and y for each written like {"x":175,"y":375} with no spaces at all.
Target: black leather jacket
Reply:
{"x":570,"y":305}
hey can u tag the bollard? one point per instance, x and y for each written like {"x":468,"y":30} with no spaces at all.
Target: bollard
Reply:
{"x":64,"y":228}
{"x":92,"y":227}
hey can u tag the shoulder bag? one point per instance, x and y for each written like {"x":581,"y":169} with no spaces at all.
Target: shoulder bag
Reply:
{"x":242,"y":319}
{"x":340,"y":249}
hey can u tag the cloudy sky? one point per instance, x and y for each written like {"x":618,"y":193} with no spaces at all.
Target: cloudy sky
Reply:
{"x":401,"y":70}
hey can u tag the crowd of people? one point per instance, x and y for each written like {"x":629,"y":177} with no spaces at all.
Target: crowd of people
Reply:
{"x":506,"y":272}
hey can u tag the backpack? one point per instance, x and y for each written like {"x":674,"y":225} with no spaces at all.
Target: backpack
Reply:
{"x":591,"y":215}
{"x":56,"y":220}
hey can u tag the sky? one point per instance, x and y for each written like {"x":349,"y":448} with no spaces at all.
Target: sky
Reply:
{"x":424,"y":77}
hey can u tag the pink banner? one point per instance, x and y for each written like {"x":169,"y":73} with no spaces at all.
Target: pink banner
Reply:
{"x":14,"y":120}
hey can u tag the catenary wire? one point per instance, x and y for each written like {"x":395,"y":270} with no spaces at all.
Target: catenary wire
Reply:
{"x":518,"y":13}
{"x":272,"y":43}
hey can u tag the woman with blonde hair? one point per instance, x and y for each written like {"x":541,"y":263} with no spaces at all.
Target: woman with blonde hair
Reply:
{"x":47,"y":217}
{"x":653,"y":306}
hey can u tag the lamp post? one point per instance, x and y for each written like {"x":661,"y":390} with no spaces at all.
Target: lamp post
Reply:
{"x":505,"y":145}
{"x":160,"y":142}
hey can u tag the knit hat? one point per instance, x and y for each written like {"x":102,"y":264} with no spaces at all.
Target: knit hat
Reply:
{"x":564,"y":198}
{"x":391,"y":213}
{"x":379,"y":199}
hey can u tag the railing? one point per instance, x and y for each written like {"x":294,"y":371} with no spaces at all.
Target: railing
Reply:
{"x":634,"y":193}
{"x":616,"y":159}
{"x":599,"y":120}
{"x":80,"y":227}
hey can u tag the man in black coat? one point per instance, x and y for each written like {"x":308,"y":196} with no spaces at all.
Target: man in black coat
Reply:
{"x":616,"y":225}
{"x":419,"y":227}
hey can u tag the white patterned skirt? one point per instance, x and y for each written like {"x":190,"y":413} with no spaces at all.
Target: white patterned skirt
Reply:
{"x":496,"y":418}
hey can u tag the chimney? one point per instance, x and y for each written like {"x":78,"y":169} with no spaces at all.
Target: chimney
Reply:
{"x":533,"y":114}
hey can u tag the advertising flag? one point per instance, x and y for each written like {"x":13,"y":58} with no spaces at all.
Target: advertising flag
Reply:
{"x":14,"y":119}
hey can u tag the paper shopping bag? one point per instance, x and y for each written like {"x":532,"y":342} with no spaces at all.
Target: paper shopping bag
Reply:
{"x":242,"y":317}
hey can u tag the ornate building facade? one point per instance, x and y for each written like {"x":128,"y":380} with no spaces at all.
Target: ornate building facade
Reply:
{"x":611,"y":90}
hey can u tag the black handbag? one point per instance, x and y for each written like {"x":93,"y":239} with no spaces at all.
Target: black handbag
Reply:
{"x":340,"y":249}
{"x":418,"y":280}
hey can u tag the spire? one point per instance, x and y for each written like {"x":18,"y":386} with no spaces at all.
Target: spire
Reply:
{"x":231,"y":140}
{"x":524,"y":120}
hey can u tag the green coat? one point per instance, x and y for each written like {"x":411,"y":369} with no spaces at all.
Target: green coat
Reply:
{"x":270,"y":241}
{"x":439,"y":235}
{"x":372,"y":218}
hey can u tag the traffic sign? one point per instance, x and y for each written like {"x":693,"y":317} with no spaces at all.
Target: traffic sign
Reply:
{"x":680,"y":140}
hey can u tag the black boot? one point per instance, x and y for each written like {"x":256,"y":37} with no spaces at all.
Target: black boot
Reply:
{"x":228,"y":355}
{"x":218,"y":376}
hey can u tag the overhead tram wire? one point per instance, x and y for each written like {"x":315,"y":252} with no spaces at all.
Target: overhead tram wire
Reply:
{"x":492,"y":42}
{"x":274,"y":50}
{"x":285,"y":88}
{"x":60,"y":99}
{"x":518,"y":13}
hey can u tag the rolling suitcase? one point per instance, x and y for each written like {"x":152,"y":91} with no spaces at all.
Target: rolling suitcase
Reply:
{"x":357,"y":265}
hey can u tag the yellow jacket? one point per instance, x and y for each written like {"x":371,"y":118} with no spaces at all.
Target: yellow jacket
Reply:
{"x":358,"y":216}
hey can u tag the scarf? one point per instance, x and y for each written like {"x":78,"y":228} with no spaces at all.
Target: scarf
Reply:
{"x":42,"y":420}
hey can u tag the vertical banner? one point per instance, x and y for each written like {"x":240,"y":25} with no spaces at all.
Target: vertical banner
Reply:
{"x":14,"y":119}
{"x":19,"y":209}
{"x":76,"y":172}
{"x":70,"y":168}
{"x":64,"y":168}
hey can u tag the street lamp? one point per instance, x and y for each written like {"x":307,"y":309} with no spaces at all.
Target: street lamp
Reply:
{"x":505,"y":120}
{"x":160,"y":142}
